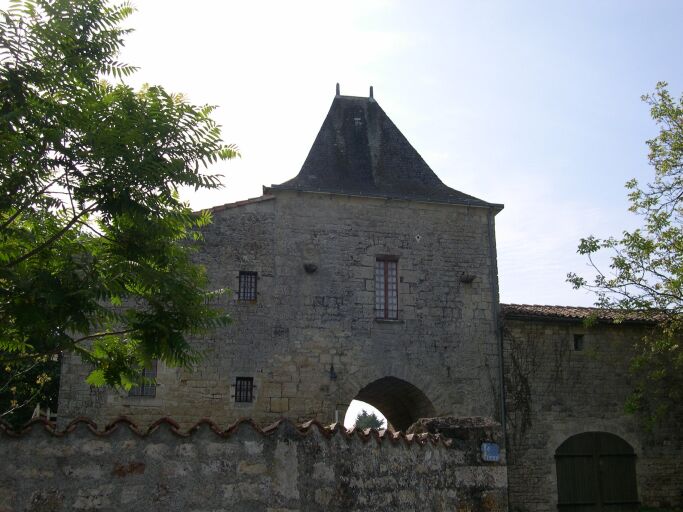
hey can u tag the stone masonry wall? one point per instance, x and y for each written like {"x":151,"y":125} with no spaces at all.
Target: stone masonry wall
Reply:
{"x":278,"y":469}
{"x":311,"y":341}
{"x":554,"y":392}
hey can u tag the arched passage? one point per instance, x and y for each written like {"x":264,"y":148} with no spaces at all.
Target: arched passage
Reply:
{"x":401,"y":402}
{"x":596,"y":471}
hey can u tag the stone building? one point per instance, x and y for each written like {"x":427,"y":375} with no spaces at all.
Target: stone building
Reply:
{"x":569,"y":438}
{"x":365,"y":277}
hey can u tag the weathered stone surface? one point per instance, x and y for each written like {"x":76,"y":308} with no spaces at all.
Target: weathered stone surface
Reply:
{"x":311,"y":341}
{"x":312,"y":469}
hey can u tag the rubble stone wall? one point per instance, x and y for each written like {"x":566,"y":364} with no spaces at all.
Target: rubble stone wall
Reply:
{"x":282,"y":468}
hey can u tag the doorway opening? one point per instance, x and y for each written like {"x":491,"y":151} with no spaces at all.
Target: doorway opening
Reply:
{"x":596,"y":471}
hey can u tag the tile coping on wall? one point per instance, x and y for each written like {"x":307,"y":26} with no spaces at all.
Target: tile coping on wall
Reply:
{"x":302,"y":428}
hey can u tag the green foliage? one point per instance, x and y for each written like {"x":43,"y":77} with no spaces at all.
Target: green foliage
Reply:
{"x":26,"y":383}
{"x":95,"y":243}
{"x":646,"y":269}
{"x":368,"y":420}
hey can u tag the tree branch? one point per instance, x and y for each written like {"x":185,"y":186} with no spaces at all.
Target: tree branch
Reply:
{"x":52,"y":239}
{"x":28,"y":202}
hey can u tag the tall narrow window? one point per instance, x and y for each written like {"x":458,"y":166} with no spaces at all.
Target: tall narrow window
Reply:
{"x":386,"y":288}
{"x":247,"y":289}
{"x":147,"y":386}
{"x":244,"y":389}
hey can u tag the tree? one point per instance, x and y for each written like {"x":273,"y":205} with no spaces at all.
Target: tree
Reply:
{"x":368,"y":420}
{"x":646,"y":269}
{"x":95,"y":243}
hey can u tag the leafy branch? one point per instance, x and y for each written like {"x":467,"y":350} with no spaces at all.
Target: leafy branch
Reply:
{"x":646,"y":265}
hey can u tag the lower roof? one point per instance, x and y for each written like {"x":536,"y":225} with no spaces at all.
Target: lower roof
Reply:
{"x":531,"y":311}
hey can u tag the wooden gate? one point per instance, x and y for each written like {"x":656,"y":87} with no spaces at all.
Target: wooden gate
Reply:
{"x":596,"y":471}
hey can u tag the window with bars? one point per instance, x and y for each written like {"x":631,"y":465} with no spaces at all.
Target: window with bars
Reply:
{"x":386,"y":288}
{"x":244,"y":389}
{"x":247,"y":286}
{"x":147,"y":385}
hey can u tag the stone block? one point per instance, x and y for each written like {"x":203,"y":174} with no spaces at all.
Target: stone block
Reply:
{"x":279,"y":405}
{"x":271,"y":390}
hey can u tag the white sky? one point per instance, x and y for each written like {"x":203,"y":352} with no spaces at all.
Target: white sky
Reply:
{"x":534,"y":104}
{"x":355,"y":408}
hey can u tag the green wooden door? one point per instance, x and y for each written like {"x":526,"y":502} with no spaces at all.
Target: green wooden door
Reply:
{"x":596,"y":471}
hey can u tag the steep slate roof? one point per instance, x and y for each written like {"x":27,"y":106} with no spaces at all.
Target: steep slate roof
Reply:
{"x":359,"y":151}
{"x":531,"y":311}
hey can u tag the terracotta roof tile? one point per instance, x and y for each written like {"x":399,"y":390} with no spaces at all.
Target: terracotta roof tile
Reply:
{"x":576,"y":313}
{"x":302,"y":429}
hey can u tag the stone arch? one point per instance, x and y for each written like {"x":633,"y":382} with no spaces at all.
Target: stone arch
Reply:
{"x":401,"y":402}
{"x":596,"y":471}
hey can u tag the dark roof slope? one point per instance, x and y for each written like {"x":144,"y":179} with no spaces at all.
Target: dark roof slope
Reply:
{"x":359,"y":151}
{"x":527,"y":311}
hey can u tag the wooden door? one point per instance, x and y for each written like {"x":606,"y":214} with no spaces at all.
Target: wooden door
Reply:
{"x":596,"y":472}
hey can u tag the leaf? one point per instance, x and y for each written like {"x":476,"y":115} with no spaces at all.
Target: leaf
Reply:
{"x":96,"y":378}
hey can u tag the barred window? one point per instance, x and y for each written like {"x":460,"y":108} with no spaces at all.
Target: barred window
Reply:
{"x":147,"y":385}
{"x":247,"y":287}
{"x":386,"y":288}
{"x":244,"y":389}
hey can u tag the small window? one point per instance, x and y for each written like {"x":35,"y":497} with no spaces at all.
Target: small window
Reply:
{"x":147,"y":385}
{"x":247,"y":288}
{"x":578,"y":342}
{"x":244,"y":389}
{"x":386,"y":288}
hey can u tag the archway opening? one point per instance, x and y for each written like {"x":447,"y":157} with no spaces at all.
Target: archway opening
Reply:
{"x":356,"y":407}
{"x":399,"y":401}
{"x":596,"y":471}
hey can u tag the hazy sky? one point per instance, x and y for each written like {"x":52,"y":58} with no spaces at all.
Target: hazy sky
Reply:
{"x":534,"y":104}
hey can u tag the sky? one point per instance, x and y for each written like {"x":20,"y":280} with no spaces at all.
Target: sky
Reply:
{"x":533,"y":104}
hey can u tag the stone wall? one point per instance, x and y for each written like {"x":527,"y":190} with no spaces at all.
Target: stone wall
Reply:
{"x":284,"y":467}
{"x":554,"y":392}
{"x":311,"y":341}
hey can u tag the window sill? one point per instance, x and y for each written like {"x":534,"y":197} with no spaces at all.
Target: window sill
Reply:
{"x":389,"y":321}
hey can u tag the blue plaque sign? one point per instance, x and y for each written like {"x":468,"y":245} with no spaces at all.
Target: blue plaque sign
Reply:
{"x":490,"y":452}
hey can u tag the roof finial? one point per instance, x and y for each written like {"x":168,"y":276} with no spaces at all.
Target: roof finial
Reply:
{"x":337,"y":88}
{"x":371,"y":93}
